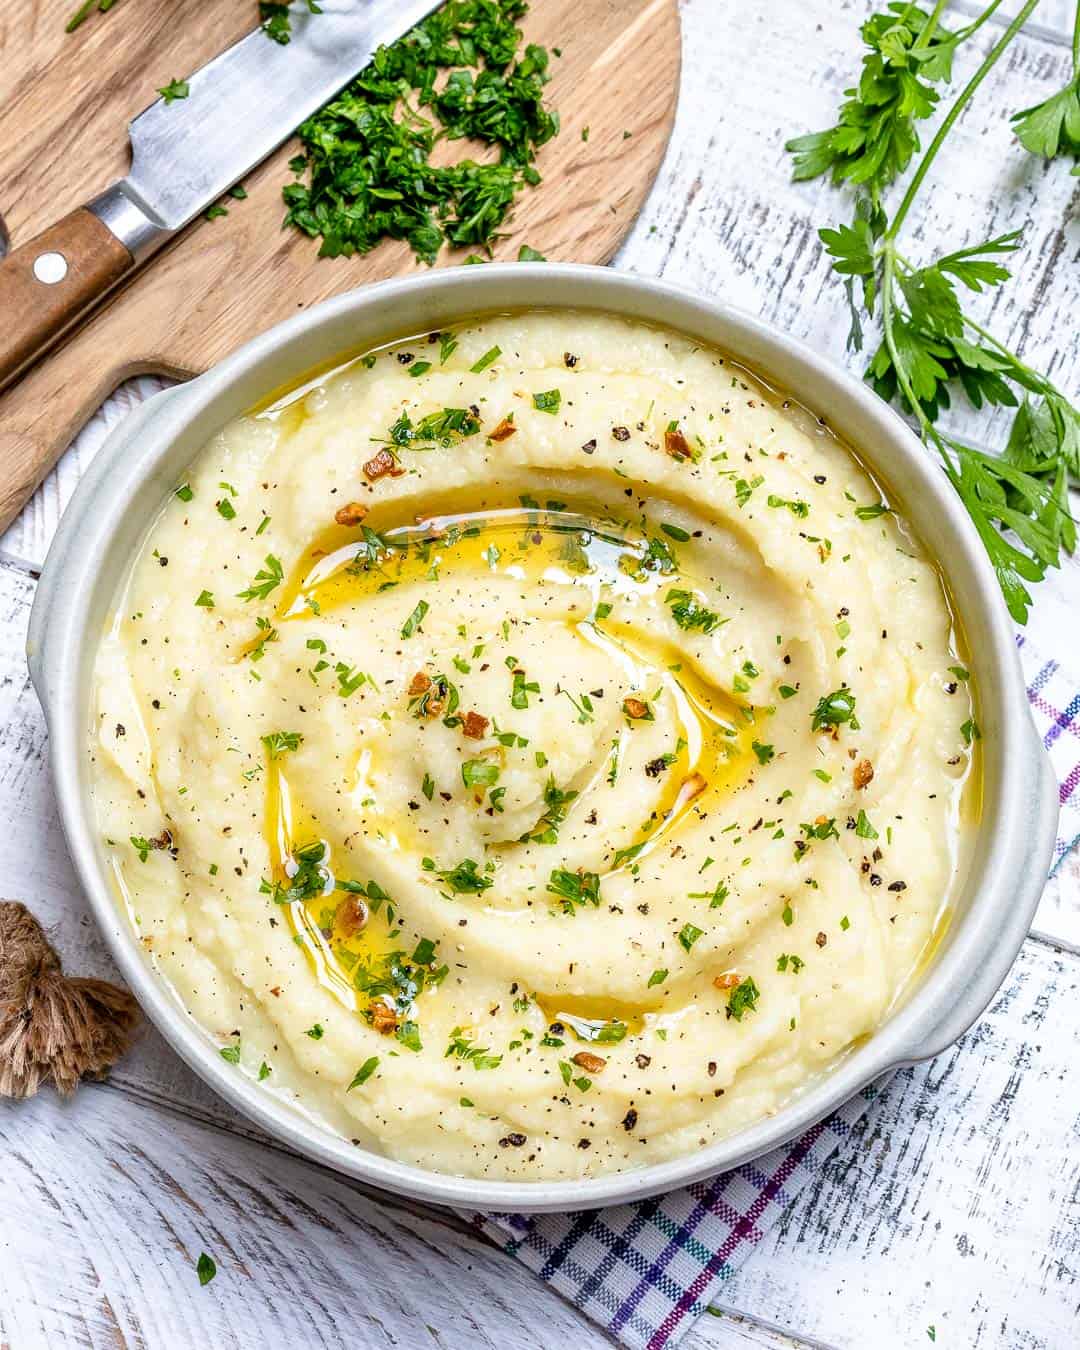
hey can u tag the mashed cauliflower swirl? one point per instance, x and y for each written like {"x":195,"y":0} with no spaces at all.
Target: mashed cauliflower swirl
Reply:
{"x":534,"y":750}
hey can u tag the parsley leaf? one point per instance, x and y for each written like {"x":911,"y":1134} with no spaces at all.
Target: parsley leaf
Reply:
{"x":269,"y":576}
{"x":574,"y":888}
{"x":173,"y":90}
{"x":464,"y":879}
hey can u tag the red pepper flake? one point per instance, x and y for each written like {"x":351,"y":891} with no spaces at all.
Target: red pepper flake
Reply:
{"x":636,"y":708}
{"x":863,"y":774}
{"x":383,"y":1018}
{"x":586,"y":1060}
{"x":504,"y":430}
{"x":475,"y":726}
{"x":729,"y":980}
{"x":420,"y":684}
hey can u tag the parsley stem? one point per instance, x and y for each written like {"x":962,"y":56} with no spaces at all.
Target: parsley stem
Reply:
{"x":888,"y":282}
{"x":923,"y":40}
{"x":973,"y":28}
{"x":1076,"y":41}
{"x":965,"y":97}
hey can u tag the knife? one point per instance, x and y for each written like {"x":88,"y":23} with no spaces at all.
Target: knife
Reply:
{"x":184,"y":155}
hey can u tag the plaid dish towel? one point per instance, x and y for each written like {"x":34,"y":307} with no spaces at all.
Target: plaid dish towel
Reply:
{"x":645,"y":1272}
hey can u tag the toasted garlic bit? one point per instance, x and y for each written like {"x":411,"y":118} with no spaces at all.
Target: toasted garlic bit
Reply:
{"x":351,"y":514}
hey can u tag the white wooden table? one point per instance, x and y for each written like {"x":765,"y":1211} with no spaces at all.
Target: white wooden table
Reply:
{"x":957,"y":1206}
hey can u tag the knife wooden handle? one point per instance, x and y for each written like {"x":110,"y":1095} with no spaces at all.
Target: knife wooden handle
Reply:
{"x":48,"y":282}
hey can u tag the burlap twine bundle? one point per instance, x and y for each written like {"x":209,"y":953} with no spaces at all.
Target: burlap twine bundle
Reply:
{"x":53,"y":1029}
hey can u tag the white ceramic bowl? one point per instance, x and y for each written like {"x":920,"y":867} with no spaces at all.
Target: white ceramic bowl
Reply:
{"x":145,"y":458}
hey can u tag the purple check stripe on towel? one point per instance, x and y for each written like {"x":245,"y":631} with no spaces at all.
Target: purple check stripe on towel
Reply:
{"x":645,"y":1272}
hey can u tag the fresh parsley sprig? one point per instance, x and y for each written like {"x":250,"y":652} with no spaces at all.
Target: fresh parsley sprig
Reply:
{"x":930,"y":345}
{"x":875,"y":136}
{"x":1052,"y":128}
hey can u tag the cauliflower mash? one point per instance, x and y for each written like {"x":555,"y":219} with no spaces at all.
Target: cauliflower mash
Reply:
{"x":534,"y":750}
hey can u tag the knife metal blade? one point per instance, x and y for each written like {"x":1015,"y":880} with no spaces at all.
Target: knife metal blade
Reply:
{"x":240,"y":107}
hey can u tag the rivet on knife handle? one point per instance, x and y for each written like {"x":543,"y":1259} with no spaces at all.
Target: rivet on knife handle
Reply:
{"x":48,"y":282}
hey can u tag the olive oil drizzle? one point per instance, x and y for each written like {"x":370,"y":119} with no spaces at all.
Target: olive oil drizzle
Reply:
{"x":552,"y":545}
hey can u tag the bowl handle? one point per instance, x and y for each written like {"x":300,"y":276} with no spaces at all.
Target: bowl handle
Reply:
{"x":974,"y":997}
{"x":45,"y":636}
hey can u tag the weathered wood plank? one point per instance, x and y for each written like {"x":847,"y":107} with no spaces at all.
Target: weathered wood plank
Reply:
{"x":957,"y":1203}
{"x":131,"y":1194}
{"x":956,"y":1206}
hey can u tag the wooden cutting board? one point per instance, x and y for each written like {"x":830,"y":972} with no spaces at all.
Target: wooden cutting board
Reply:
{"x":66,"y":100}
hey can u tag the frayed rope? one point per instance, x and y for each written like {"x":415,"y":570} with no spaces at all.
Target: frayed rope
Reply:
{"x":53,"y":1029}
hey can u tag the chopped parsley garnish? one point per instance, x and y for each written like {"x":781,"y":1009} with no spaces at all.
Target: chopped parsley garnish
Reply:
{"x":583,"y":706}
{"x":657,"y":977}
{"x":491,"y":355}
{"x":549,"y":402}
{"x":364,"y":1072}
{"x":205,"y":1268}
{"x":833,"y":710}
{"x":743,"y":999}
{"x":316,"y":1032}
{"x":574,"y":888}
{"x":278,"y":742}
{"x":970,"y":731}
{"x":797,"y":508}
{"x":173,"y":90}
{"x":688,"y":935}
{"x":764,"y":752}
{"x":225,"y":509}
{"x":231,"y":1053}
{"x":623,"y":855}
{"x":556,"y":804}
{"x":368,"y":151}
{"x":415,"y":619}
{"x":462,"y":1047}
{"x":863,"y":828}
{"x":464,"y":879}
{"x":447,"y":427}
{"x":871,"y":512}
{"x":205,"y":600}
{"x":715,"y":897}
{"x":267,"y":578}
{"x":786,"y":962}
{"x":689,"y":614}
{"x":519,"y":694}
{"x":424,"y":952}
{"x":277,"y":22}
{"x":479,"y":773}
